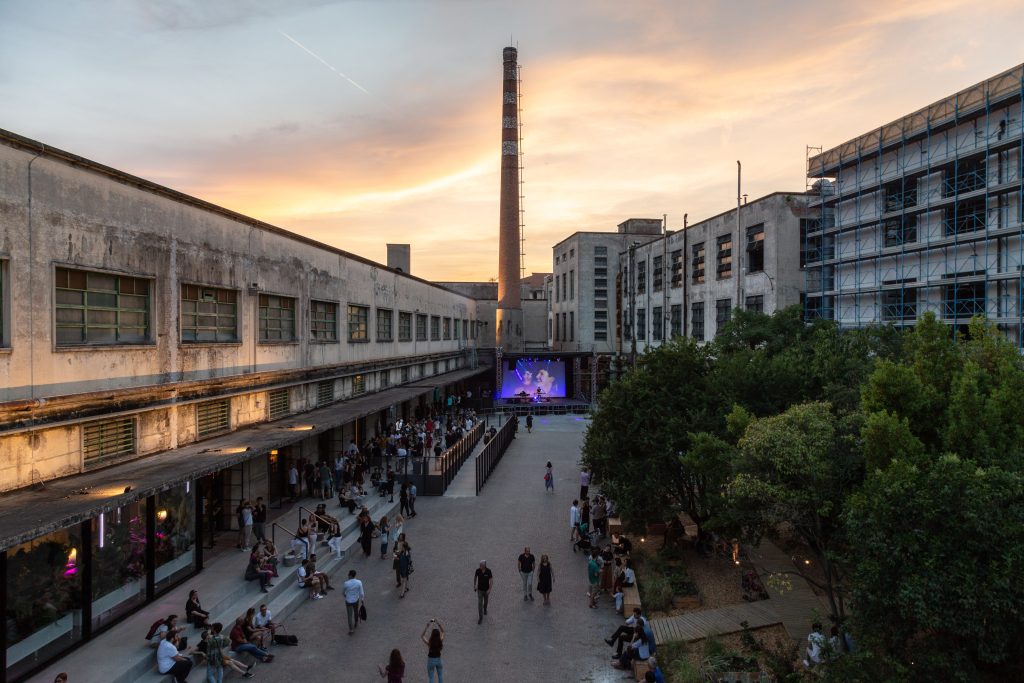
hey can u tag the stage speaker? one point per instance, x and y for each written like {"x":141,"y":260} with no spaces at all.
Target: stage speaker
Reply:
{"x":511,"y":364}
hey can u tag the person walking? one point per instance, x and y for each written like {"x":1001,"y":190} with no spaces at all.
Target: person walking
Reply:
{"x":245,"y":525}
{"x":215,"y":644}
{"x":529,"y":423}
{"x":365,"y":532}
{"x":545,"y":579}
{"x":394,"y":671}
{"x":574,"y":520}
{"x":412,"y":499}
{"x":594,"y":577}
{"x":385,"y":530}
{"x":293,"y":481}
{"x":404,"y":567}
{"x":354,"y":596}
{"x":435,"y":643}
{"x":584,"y":483}
{"x":526,"y":563}
{"x":403,"y":499}
{"x":483,"y":580}
{"x":549,"y":478}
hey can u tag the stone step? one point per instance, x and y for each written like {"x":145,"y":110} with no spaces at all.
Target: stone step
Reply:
{"x":282,"y":600}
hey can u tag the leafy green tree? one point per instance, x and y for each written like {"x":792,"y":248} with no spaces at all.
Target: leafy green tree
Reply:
{"x":796,"y":470}
{"x":936,"y":558}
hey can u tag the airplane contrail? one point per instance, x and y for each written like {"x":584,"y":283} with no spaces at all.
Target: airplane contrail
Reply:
{"x":319,"y":59}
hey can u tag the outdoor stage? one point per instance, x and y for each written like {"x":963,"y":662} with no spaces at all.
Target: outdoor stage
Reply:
{"x":546,"y":406}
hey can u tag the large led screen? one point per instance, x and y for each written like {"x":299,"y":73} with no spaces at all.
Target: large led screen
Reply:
{"x":530,"y":374}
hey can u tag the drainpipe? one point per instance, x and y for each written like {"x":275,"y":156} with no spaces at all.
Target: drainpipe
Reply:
{"x":686,"y":257}
{"x":737,"y":259}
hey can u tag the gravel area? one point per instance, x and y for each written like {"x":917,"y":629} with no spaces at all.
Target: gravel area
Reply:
{"x":718,"y":579}
{"x":772,"y":638}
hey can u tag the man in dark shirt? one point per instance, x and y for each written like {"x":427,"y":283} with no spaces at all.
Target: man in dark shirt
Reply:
{"x":259,"y":519}
{"x":482,"y":580}
{"x":526,"y":562}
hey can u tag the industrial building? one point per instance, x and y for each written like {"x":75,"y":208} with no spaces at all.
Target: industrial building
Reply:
{"x":688,"y":281}
{"x":162,"y":358}
{"x":924,"y":214}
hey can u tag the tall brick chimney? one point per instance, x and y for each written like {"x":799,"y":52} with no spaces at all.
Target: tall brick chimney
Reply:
{"x":509,"y":315}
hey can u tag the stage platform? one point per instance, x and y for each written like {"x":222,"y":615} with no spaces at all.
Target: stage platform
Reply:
{"x":551,"y":406}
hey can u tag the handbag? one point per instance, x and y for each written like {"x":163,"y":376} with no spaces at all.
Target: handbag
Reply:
{"x":362,"y":612}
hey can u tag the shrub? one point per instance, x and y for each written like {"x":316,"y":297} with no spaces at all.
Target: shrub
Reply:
{"x":655,"y":593}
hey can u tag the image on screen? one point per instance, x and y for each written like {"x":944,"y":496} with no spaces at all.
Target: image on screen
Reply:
{"x":530,"y":374}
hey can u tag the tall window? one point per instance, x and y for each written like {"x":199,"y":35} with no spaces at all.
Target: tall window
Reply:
{"x":435,"y":327}
{"x":723,"y":312}
{"x":641,"y":323}
{"x":657,"y":323}
{"x":677,"y":268}
{"x":358,"y":323}
{"x":565,"y":333}
{"x":676,"y":322}
{"x":4,"y":325}
{"x":108,"y":438}
{"x":900,"y":230}
{"x":697,"y":263}
{"x":323,"y":321}
{"x":641,"y":277}
{"x":657,"y":274}
{"x":565,"y":288}
{"x":208,"y":314}
{"x":385,"y":325}
{"x":755,"y":248}
{"x":421,"y":327}
{"x":755,"y":303}
{"x":358,"y":385}
{"x":465,"y":329}
{"x":572,"y":284}
{"x":100,"y":308}
{"x":697,"y":320}
{"x":558,"y":290}
{"x":572,"y":326}
{"x":404,"y":326}
{"x":457,"y":330}
{"x":723,"y":259}
{"x":446,"y":328}
{"x":277,"y":318}
{"x":556,"y":336}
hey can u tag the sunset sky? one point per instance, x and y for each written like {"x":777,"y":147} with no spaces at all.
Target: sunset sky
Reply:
{"x":362,"y":123}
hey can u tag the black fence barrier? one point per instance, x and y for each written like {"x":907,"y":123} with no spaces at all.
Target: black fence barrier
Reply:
{"x":492,"y":452}
{"x":436,"y":473}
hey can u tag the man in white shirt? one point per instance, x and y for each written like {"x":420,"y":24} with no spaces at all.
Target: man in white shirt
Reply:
{"x":168,"y":661}
{"x":352,"y":448}
{"x":574,"y":520}
{"x":353,"y":600}
{"x":264,"y":619}
{"x":412,"y":499}
{"x":293,"y":481}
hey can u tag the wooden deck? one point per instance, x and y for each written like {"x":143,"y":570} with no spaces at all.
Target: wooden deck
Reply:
{"x":795,"y":608}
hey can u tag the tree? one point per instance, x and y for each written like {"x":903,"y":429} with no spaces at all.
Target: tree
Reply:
{"x":640,"y":440}
{"x":935,"y":559}
{"x":797,"y":469}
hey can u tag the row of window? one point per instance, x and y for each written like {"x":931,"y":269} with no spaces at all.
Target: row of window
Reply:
{"x":116,"y":437}
{"x":564,"y":328}
{"x":723,"y":313}
{"x":92,"y":307}
{"x":567,"y":290}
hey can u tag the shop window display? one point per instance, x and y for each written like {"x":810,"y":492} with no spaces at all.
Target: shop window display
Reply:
{"x":175,"y":528}
{"x":118,"y":562}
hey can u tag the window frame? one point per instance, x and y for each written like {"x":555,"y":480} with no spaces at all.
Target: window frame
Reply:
{"x":385,"y":324}
{"x":755,"y":248}
{"x":698,"y":263}
{"x":405,"y":326}
{"x":5,"y":309}
{"x":237,"y":339}
{"x":723,"y":257}
{"x":422,"y":331}
{"x":149,"y":339}
{"x":332,"y":335}
{"x":105,"y":457}
{"x":226,"y":402}
{"x":435,"y":328}
{"x":358,"y":323}
{"x":697,"y":322}
{"x":722,"y":319}
{"x":263,"y":330}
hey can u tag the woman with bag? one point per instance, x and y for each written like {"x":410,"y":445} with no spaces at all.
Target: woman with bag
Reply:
{"x":404,"y":568}
{"x":549,"y":478}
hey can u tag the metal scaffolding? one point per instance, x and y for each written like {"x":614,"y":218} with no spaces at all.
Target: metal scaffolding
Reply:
{"x":923,"y":214}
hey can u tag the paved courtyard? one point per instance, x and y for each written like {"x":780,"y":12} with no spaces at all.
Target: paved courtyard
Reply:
{"x":518,"y":640}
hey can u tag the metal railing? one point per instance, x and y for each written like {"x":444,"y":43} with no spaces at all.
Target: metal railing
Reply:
{"x":492,"y":452}
{"x":438,"y":475}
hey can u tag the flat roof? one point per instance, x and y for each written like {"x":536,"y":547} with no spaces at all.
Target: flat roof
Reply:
{"x":948,"y":109}
{"x":44,"y":508}
{"x":28,"y":144}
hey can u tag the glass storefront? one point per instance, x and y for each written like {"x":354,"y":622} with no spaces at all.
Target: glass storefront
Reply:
{"x":44,"y":599}
{"x":118,"y":562}
{"x":175,"y":531}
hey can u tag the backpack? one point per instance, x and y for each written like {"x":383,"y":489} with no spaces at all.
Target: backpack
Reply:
{"x":154,"y":628}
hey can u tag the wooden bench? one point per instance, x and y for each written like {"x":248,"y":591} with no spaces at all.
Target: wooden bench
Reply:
{"x":614,"y":526}
{"x":640,"y":669}
{"x":630,"y":599}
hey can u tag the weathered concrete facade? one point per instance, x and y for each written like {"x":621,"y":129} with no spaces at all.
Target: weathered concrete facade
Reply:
{"x":689,"y":281}
{"x":290,"y":325}
{"x":583,"y":306}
